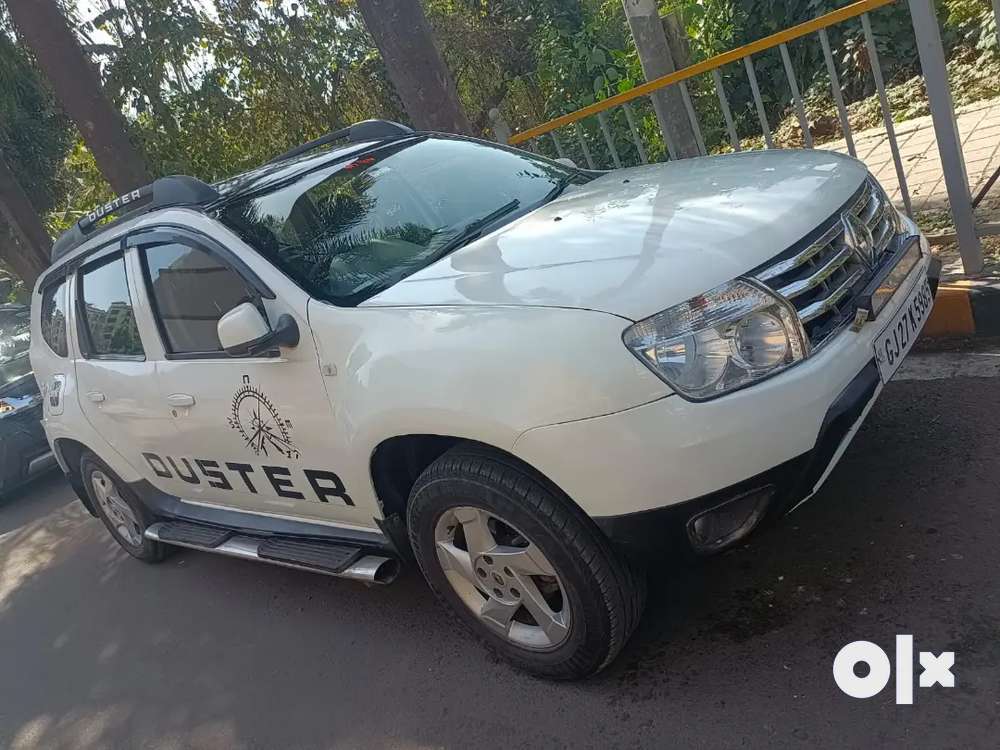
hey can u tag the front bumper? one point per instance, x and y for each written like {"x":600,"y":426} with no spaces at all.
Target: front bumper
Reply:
{"x":782,"y":487}
{"x":644,"y":473}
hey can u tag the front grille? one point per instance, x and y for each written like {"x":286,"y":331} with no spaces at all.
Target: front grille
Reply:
{"x":822,"y":279}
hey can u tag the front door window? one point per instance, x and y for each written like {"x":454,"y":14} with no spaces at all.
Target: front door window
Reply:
{"x":190,"y":290}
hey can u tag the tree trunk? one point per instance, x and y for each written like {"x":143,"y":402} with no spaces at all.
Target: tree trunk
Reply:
{"x":415,"y":66}
{"x":30,"y":256}
{"x":78,"y":89}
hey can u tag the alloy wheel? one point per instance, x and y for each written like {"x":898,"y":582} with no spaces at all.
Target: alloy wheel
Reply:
{"x":502,"y":577}
{"x":117,"y":511}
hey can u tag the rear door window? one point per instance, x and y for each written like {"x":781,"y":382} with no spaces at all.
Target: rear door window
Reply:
{"x":108,"y":319}
{"x":53,"y":318}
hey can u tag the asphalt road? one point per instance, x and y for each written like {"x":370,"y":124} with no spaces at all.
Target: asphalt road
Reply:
{"x":97,"y":650}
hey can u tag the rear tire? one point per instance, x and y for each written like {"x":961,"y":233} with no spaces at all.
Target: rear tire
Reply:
{"x":120,"y":510}
{"x":521,"y":565}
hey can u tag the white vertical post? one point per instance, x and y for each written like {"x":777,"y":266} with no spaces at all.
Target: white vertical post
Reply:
{"x":932,"y":63}
{"x":582,"y":140}
{"x":890,"y":128}
{"x":602,"y":120}
{"x":636,"y":138}
{"x":996,"y":15}
{"x":761,"y":112}
{"x":559,"y":147}
{"x":793,"y":85}
{"x":726,"y":112}
{"x":838,"y":94}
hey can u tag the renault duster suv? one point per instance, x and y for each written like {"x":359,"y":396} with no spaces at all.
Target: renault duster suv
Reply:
{"x":389,"y":345}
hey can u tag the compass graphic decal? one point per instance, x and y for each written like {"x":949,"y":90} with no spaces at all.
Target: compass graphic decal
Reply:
{"x":257,"y":420}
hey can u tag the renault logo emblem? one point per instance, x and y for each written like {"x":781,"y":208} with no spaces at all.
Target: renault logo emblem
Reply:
{"x":859,"y":238}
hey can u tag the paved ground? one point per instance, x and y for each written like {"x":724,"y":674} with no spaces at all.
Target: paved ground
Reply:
{"x":979,"y":125}
{"x":97,"y":650}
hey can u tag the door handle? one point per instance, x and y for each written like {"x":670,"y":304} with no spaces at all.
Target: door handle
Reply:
{"x":180,"y":399}
{"x":96,"y":396}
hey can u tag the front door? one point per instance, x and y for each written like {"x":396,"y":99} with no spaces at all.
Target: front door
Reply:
{"x":250,"y":433}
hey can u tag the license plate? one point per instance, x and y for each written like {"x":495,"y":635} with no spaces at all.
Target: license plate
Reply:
{"x":895,"y":340}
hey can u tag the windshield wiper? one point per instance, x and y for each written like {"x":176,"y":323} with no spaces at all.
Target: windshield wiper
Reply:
{"x":475,"y":228}
{"x":556,"y":191}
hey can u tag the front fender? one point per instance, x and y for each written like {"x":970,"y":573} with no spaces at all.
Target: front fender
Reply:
{"x":481,"y":373}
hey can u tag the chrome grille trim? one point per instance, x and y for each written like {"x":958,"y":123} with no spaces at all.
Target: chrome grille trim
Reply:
{"x":797,"y":288}
{"x":822,"y":280}
{"x":792,"y":263}
{"x":813,"y":311}
{"x":869,"y":206}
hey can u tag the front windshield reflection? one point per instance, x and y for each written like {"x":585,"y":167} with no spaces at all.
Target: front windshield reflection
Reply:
{"x":349,"y":231}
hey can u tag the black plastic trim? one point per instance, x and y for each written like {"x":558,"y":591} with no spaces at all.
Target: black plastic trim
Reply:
{"x":83,"y":332}
{"x":335,"y":558}
{"x":69,"y":266}
{"x":934,"y":275}
{"x":172,"y":234}
{"x":367,"y":130}
{"x":169,"y":507}
{"x":193,"y":533}
{"x":662,"y":531}
{"x":54,"y":280}
{"x":795,"y":248}
{"x":165,"y":233}
{"x":842,"y":415}
{"x":174,"y":190}
{"x":863,"y":300}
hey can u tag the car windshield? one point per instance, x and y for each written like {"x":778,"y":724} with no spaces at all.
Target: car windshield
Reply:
{"x":14,"y":340}
{"x":348,"y":231}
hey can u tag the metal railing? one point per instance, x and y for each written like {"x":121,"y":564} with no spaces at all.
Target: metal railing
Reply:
{"x":711,"y":65}
{"x":932,"y":62}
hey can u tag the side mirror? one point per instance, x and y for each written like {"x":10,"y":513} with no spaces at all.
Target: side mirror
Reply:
{"x":244,"y":331}
{"x":567,"y":162}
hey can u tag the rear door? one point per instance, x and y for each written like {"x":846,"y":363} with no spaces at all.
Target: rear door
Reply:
{"x":250,"y":433}
{"x":116,"y":380}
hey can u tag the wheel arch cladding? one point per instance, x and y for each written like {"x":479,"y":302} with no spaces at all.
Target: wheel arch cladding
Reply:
{"x":71,"y":451}
{"x":397,"y":463}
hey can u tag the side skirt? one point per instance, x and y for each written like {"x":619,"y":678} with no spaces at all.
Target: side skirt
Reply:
{"x":166,"y":507}
{"x":328,"y":558}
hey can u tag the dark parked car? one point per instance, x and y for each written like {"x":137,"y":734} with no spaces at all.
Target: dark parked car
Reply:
{"x":24,"y":451}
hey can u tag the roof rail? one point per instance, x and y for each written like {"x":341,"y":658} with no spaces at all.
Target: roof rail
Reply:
{"x":368,"y":130}
{"x":176,"y":190}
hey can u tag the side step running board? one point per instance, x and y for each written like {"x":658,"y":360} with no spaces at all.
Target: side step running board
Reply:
{"x":342,"y":561}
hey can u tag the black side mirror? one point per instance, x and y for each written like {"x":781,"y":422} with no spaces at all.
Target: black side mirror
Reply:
{"x":284,"y":334}
{"x":243,"y":331}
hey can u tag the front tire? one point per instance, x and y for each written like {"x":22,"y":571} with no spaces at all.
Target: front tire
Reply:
{"x":522,"y":566}
{"x":120,"y":510}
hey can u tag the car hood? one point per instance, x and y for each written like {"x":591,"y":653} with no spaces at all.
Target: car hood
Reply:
{"x":635,"y":241}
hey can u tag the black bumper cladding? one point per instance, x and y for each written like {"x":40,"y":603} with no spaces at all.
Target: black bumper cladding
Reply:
{"x":664,"y":531}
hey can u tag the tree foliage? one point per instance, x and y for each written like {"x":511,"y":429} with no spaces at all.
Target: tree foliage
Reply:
{"x":211,"y":87}
{"x":34,"y":139}
{"x":34,"y":134}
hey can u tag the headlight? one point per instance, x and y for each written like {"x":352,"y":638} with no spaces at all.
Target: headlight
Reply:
{"x":719,"y":341}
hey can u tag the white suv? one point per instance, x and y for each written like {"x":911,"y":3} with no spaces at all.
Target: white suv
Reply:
{"x":389,"y":345}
